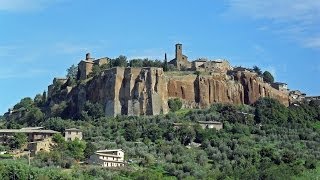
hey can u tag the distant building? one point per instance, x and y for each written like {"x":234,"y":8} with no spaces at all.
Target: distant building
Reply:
{"x":220,"y":66}
{"x":296,"y":96}
{"x":38,"y":138}
{"x":204,"y":124}
{"x":85,"y":66}
{"x":211,"y":125}
{"x":312,"y":98}
{"x":72,"y":134}
{"x":108,"y":158}
{"x":180,"y":61}
{"x":197,"y":65}
{"x":280,"y":86}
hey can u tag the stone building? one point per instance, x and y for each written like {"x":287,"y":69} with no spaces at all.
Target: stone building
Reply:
{"x":280,"y":86}
{"x":72,"y":134}
{"x":180,"y":61}
{"x":55,"y":81}
{"x":220,"y":66}
{"x":108,"y":158}
{"x":312,"y":98}
{"x":296,"y":96}
{"x":85,"y":66}
{"x":37,"y":146}
{"x":38,"y":138}
{"x":198,"y":64}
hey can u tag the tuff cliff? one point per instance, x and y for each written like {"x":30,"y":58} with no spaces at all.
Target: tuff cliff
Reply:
{"x":145,"y":91}
{"x":236,"y":88}
{"x":126,"y":91}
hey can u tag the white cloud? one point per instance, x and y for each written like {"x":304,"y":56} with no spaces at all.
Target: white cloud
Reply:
{"x":25,"y":5}
{"x":297,"y":20}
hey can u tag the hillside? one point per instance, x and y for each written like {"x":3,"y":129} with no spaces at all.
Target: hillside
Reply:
{"x":159,"y":116}
{"x":276,"y":143}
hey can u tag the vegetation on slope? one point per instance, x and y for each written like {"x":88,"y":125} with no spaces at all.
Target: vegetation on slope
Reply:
{"x":275,"y":142}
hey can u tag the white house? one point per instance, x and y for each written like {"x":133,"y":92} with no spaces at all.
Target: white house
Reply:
{"x":108,"y":158}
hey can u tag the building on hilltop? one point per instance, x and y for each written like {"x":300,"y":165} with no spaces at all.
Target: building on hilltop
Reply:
{"x":312,"y":98}
{"x":85,"y":66}
{"x":280,"y":86}
{"x":180,"y":61}
{"x":296,"y":96}
{"x":72,"y":134}
{"x":108,"y":158}
{"x":197,"y":64}
{"x":56,"y":80}
{"x":203,"y":65}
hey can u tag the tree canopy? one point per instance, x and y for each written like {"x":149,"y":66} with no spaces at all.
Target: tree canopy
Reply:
{"x":267,"y":77}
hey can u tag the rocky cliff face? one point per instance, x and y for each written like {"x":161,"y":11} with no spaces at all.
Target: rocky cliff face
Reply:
{"x":254,"y":88}
{"x":145,"y":91}
{"x":202,"y":91}
{"x":127,"y":91}
{"x":238,"y":88}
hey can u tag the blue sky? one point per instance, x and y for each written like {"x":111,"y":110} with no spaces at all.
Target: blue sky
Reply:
{"x":40,"y":39}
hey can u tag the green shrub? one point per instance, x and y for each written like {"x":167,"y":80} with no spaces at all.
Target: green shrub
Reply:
{"x":174,"y":104}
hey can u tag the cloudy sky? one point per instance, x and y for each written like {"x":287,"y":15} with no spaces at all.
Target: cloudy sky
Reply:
{"x":40,"y":39}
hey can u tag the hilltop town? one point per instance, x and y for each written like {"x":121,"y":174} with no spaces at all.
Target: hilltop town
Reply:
{"x":146,"y":90}
{"x":149,"y":119}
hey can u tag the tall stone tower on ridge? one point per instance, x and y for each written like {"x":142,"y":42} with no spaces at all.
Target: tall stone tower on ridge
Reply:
{"x":85,"y":67}
{"x":179,"y":52}
{"x":180,"y":61}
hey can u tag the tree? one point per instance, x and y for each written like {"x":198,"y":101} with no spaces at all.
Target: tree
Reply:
{"x":90,"y":149}
{"x":38,"y":99}
{"x":120,"y":61}
{"x":72,"y":72}
{"x":165,"y":65}
{"x":18,"y":141}
{"x":24,"y":103}
{"x":174,"y":104}
{"x":34,"y":116}
{"x":136,"y":63}
{"x":257,"y":70}
{"x":267,"y":77}
{"x":92,"y":110}
{"x":76,"y":149}
{"x":271,"y":111}
{"x":44,"y":97}
{"x":186,"y":134}
{"x":131,"y":133}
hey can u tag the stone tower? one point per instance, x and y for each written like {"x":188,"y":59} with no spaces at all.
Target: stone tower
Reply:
{"x":179,"y":55}
{"x":85,"y":67}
